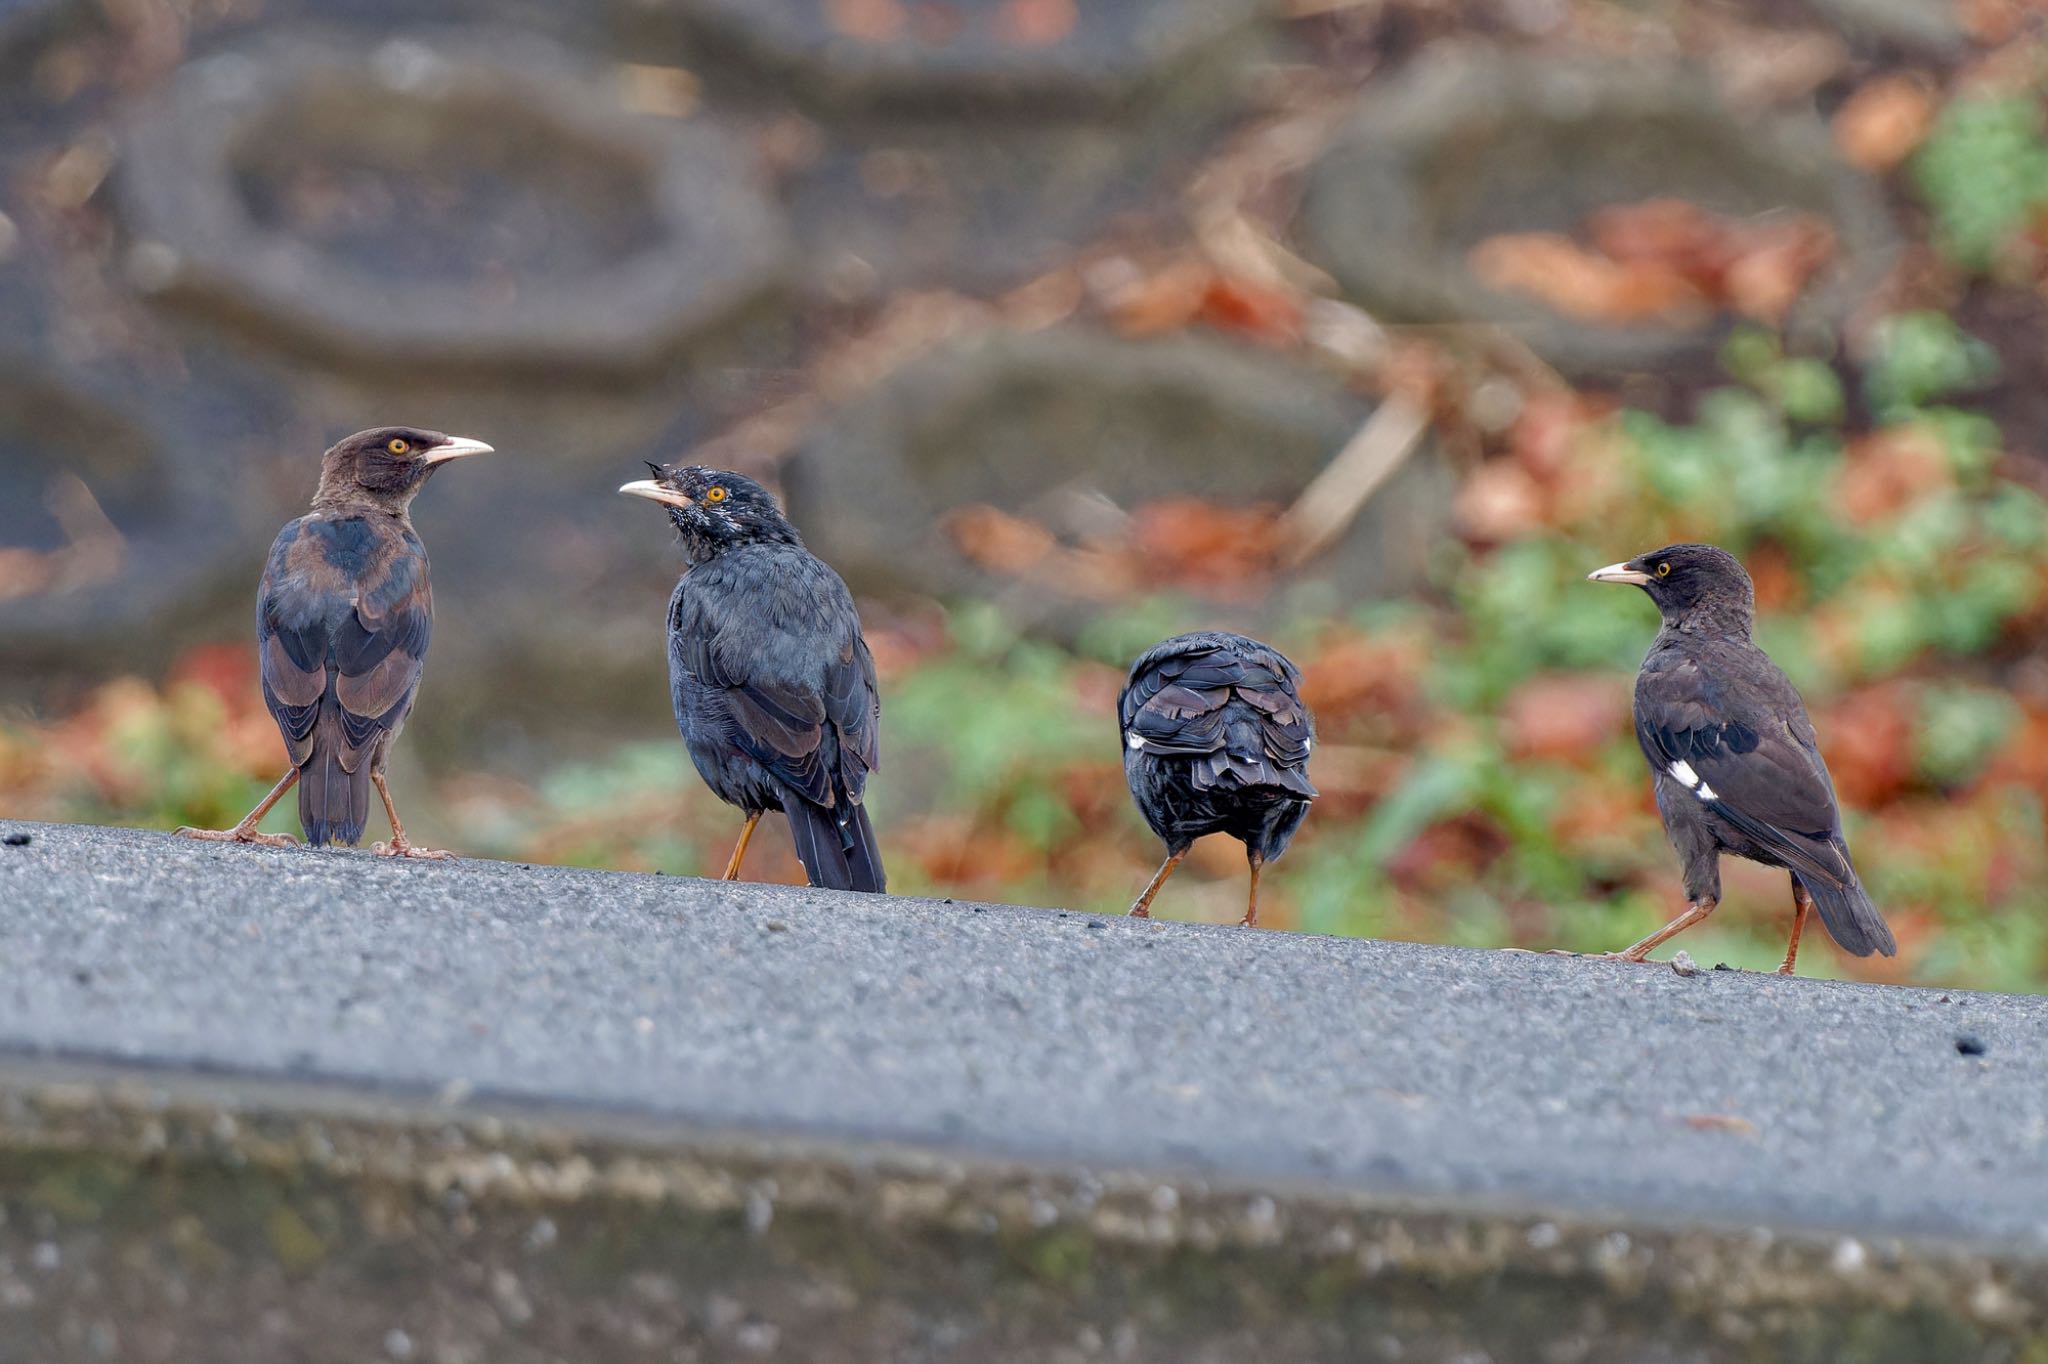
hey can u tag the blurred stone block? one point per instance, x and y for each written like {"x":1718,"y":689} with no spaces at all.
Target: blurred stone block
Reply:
{"x":1074,"y":430}
{"x":1472,"y":143}
{"x":971,"y":53}
{"x":107,"y":533}
{"x":447,"y":202}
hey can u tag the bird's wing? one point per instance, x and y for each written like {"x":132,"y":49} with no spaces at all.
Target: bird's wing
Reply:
{"x":776,"y":710}
{"x":1744,"y":748}
{"x":1175,"y":704}
{"x":346,"y":610}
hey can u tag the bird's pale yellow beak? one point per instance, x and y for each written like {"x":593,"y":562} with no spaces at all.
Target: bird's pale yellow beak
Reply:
{"x":656,"y":492}
{"x":458,"y":447}
{"x":1618,"y":573}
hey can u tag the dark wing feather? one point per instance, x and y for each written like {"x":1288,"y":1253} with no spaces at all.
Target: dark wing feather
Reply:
{"x":814,"y":728}
{"x":1179,"y":701}
{"x":344,"y":617}
{"x":1750,"y":744}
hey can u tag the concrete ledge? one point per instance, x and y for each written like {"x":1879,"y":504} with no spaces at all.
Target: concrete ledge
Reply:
{"x":261,"y":1105}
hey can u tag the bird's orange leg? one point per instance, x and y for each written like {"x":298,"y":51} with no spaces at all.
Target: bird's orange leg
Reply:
{"x":1251,"y":910}
{"x":1694,"y":912}
{"x":739,"y":849}
{"x":245,"y":832}
{"x":400,"y":846}
{"x":1143,"y":908}
{"x":1802,"y":905}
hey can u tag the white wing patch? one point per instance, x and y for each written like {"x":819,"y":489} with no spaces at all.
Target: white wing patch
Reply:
{"x":1705,"y":792}
{"x":1134,"y":741}
{"x":1683,"y":771}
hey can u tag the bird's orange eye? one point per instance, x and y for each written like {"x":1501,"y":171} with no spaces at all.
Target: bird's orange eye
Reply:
{"x":1664,"y":570}
{"x":715,"y":495}
{"x":398,"y":445}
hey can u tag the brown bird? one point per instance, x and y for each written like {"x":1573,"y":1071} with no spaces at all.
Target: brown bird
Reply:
{"x":342,"y":621}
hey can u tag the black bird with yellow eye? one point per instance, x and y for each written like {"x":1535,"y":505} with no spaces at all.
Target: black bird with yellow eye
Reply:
{"x":1734,"y":762}
{"x":343,"y":616}
{"x":772,"y":684}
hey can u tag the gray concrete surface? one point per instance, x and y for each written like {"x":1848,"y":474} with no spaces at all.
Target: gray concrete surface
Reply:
{"x":1466,"y":1092}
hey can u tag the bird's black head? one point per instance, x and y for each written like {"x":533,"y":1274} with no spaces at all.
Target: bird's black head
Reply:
{"x":386,"y":465}
{"x":1696,"y":587}
{"x":713,"y":509}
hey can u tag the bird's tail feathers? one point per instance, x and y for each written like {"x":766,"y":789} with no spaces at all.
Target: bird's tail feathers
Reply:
{"x":836,"y":855}
{"x":334,"y":802}
{"x":1851,"y":919}
{"x":1243,"y":761}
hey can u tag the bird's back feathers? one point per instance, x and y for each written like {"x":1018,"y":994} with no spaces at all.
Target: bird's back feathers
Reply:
{"x":775,"y":694}
{"x":343,"y":618}
{"x":1725,"y":728}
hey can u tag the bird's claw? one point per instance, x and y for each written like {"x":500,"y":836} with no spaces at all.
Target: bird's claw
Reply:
{"x":249,"y":836}
{"x":408,"y":850}
{"x":1139,"y":912}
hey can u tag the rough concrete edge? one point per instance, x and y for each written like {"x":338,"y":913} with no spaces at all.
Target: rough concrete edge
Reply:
{"x":534,"y":1157}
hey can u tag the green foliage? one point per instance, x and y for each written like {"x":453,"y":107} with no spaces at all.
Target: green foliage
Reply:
{"x":1984,"y":173}
{"x":1921,"y":357}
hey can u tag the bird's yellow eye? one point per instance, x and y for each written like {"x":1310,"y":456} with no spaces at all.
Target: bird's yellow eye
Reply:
{"x":714,"y":495}
{"x":398,"y":445}
{"x":1664,"y":570}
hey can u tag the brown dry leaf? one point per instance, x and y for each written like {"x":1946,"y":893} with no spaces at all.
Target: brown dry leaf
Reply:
{"x":1719,"y":1122}
{"x":1187,"y":540}
{"x":1257,"y":310}
{"x":1498,"y":502}
{"x":998,"y":541}
{"x":1549,"y":428}
{"x":1868,"y":737}
{"x":1036,"y":23}
{"x":1164,"y":300}
{"x":1363,"y":675}
{"x":1884,"y":121}
{"x":1584,"y":283}
{"x":1563,"y":716}
{"x":1772,"y":263}
{"x":1887,"y":471}
{"x":1667,"y":231}
{"x":873,"y":20}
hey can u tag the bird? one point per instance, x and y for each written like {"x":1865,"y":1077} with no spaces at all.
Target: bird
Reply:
{"x":1216,"y":740}
{"x":771,"y":680}
{"x":1734,"y":762}
{"x":343,"y":615}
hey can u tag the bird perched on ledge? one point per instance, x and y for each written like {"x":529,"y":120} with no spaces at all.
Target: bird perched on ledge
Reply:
{"x":773,"y":686}
{"x":342,"y":620}
{"x":1732,"y":754}
{"x":1216,"y":740}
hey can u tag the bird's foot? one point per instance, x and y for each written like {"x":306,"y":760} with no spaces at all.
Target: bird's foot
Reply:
{"x":1248,"y":921}
{"x":1785,"y":967}
{"x":1139,"y":912}
{"x":240,"y":835}
{"x":400,"y":848}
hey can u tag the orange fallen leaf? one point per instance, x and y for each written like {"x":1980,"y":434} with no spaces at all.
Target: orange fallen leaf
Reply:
{"x":1036,"y":23}
{"x":1889,"y":470}
{"x":1498,"y":502}
{"x":869,"y":19}
{"x":1584,"y":283}
{"x":998,"y":541}
{"x":1564,"y":716}
{"x":1883,"y":122}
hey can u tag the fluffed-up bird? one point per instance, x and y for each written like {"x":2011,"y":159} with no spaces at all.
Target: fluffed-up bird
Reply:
{"x":1733,"y":758}
{"x":1216,"y":740}
{"x":343,"y":616}
{"x":772,"y":683}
